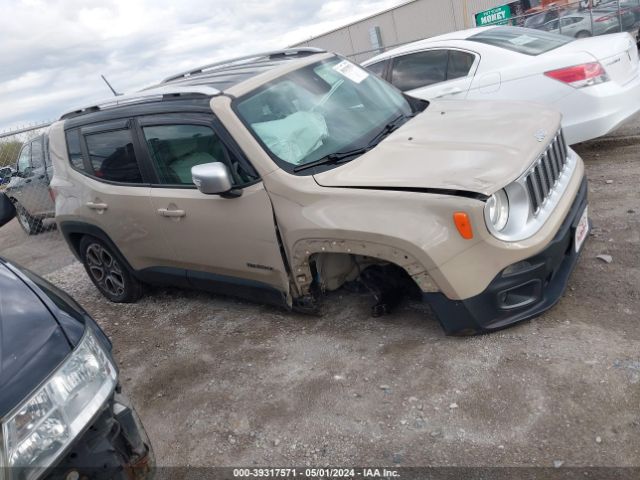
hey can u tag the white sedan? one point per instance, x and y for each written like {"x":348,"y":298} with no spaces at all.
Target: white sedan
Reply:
{"x":594,"y":82}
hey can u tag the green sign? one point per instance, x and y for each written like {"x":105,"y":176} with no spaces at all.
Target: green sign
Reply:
{"x":495,"y":16}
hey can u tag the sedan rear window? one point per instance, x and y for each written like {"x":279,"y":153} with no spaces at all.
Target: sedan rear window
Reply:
{"x":521,"y":40}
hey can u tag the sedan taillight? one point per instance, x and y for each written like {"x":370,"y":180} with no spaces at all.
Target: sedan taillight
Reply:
{"x":580,"y":76}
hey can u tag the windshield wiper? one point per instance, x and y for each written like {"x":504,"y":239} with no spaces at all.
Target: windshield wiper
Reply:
{"x":387,"y":129}
{"x":332,"y":158}
{"x":336,"y":157}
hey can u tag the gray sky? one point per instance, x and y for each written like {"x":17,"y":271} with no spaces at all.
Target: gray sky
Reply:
{"x":53,"y":51}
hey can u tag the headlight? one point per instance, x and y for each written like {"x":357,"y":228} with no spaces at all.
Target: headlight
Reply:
{"x":497,"y":210}
{"x":37,"y":432}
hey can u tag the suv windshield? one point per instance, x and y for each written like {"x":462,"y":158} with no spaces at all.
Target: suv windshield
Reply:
{"x":320,"y":111}
{"x":521,"y":40}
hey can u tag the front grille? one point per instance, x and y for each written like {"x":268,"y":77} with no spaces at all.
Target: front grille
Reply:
{"x":544,"y":175}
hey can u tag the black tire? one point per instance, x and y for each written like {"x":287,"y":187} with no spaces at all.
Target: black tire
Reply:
{"x":31,"y":225}
{"x":108,"y":272}
{"x":583,"y":34}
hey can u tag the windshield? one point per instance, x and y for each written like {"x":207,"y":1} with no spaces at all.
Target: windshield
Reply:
{"x":521,"y":40}
{"x":323,"y":109}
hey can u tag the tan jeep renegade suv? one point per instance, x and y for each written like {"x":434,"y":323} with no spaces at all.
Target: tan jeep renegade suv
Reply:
{"x":287,"y":174}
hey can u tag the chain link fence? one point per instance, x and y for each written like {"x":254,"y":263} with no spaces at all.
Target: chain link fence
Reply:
{"x":584,"y":18}
{"x":25,"y":173}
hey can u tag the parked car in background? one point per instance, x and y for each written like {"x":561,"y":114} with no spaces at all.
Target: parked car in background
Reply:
{"x":62,"y":412}
{"x":593,"y":82}
{"x":625,"y":18}
{"x":29,"y":187}
{"x":598,"y":22}
{"x":5,"y":175}
{"x":284,"y":175}
{"x":632,"y":5}
{"x":626,"y":14}
{"x":538,"y":20}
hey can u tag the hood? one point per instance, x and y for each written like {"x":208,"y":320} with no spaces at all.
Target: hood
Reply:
{"x":476,"y":147}
{"x":32,"y":343}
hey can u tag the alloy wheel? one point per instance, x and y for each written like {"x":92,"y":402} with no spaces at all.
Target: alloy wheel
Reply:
{"x":105,"y":270}
{"x":24,"y":221}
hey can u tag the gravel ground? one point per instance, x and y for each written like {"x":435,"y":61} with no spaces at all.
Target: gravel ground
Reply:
{"x":220,"y":382}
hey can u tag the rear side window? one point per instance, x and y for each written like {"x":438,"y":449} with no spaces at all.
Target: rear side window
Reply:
{"x":112,"y":156}
{"x":377,"y":68}
{"x":419,"y":69}
{"x":24,"y":160}
{"x":47,"y":157}
{"x":521,"y":40}
{"x":460,"y":64}
{"x":37,"y":154}
{"x":74,"y":149}
{"x":174,"y":149}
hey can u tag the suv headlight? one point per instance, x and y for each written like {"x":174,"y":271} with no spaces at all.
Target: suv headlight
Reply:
{"x":497,"y":210}
{"x":38,"y":431}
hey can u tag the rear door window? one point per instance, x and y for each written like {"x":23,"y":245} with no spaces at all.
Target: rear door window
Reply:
{"x":419,"y":69}
{"x":112,"y":156}
{"x":521,"y":40}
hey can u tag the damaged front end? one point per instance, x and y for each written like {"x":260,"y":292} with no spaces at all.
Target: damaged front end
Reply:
{"x":386,"y":282}
{"x":115,"y":446}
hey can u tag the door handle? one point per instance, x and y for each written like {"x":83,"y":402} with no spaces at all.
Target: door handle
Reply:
{"x":171,"y":213}
{"x":96,"y":206}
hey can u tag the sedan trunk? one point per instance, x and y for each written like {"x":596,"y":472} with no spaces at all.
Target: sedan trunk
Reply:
{"x":617,"y":53}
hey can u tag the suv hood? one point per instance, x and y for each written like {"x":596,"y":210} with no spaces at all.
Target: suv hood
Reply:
{"x":466,"y":146}
{"x":32,"y":343}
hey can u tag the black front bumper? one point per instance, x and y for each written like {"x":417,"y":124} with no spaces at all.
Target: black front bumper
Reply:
{"x":115,"y":446}
{"x":522,"y":294}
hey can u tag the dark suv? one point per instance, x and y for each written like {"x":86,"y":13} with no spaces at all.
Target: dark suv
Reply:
{"x":29,"y":187}
{"x":61,"y":407}
{"x":5,"y":175}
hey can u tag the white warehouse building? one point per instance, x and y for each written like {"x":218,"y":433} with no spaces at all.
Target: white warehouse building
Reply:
{"x":410,"y":21}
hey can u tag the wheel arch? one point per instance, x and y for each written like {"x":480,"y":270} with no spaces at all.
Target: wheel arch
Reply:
{"x":74,"y":231}
{"x":305,"y":251}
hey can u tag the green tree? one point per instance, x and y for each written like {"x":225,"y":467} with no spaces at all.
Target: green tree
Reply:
{"x":9,"y":151}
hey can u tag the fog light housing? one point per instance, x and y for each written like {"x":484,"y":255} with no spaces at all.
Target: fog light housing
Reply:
{"x":520,"y":295}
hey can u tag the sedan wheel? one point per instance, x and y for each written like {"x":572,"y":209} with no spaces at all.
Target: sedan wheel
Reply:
{"x":30,"y":225}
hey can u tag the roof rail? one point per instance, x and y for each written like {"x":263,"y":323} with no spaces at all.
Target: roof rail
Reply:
{"x":272,"y":55}
{"x":145,"y":96}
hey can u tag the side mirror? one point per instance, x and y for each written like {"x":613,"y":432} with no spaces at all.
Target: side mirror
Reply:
{"x":7,"y":210}
{"x":214,"y":179}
